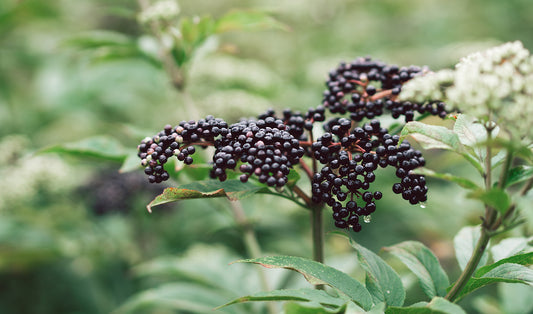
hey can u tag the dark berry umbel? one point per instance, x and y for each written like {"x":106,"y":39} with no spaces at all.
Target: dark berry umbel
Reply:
{"x":264,"y":147}
{"x":365,"y":88}
{"x":177,"y":141}
{"x":350,"y":157}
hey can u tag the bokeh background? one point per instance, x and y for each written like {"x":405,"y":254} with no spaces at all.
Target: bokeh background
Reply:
{"x":75,"y":236}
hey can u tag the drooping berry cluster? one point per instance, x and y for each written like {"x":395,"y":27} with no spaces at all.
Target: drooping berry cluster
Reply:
{"x":178,"y":141}
{"x":351,"y":155}
{"x":366,"y":88}
{"x":264,"y":147}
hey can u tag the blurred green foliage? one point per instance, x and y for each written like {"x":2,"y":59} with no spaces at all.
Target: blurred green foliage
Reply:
{"x":73,"y":232}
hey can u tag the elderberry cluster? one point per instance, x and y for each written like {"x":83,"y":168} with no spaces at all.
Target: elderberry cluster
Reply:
{"x":178,"y":141}
{"x":351,"y":155}
{"x":297,"y":123}
{"x":264,"y":147}
{"x":366,"y":89}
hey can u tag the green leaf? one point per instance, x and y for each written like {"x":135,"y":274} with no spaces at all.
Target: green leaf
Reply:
{"x":464,"y":243}
{"x":519,"y":174}
{"x":247,"y":20}
{"x":232,"y":189}
{"x":293,"y":177}
{"x":432,"y":137}
{"x":525,"y":259}
{"x":507,"y":272}
{"x":421,"y":261}
{"x":382,"y":281}
{"x":186,"y":297}
{"x":302,"y":295}
{"x":437,"y":306}
{"x":508,"y":247}
{"x":298,"y":308}
{"x":317,"y":273}
{"x":463,"y":182}
{"x":471,"y":133}
{"x":495,"y":198}
{"x":99,"y":38}
{"x":102,"y":147}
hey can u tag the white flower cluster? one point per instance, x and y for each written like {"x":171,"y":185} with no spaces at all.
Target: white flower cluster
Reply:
{"x":165,"y":10}
{"x":22,"y":176}
{"x":496,"y":84}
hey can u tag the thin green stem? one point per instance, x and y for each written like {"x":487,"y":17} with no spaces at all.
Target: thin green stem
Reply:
{"x":471,"y":266}
{"x":486,"y":227}
{"x":252,"y":246}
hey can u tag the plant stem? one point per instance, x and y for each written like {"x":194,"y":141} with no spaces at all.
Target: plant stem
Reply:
{"x":486,"y":227}
{"x":471,"y":266}
{"x":252,"y":246}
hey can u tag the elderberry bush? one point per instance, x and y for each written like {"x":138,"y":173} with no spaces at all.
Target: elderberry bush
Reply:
{"x":348,"y":150}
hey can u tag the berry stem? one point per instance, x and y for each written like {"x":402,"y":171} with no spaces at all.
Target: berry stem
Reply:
{"x":306,"y":168}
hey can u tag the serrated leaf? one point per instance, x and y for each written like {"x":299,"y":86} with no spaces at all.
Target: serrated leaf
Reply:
{"x":432,"y":136}
{"x":102,"y":147}
{"x":437,"y":306}
{"x":463,"y":182}
{"x":247,"y":20}
{"x":301,"y":295}
{"x":423,"y":263}
{"x":232,"y":189}
{"x":519,"y":174}
{"x":317,"y":273}
{"x":508,"y":247}
{"x":525,"y":259}
{"x":382,"y":281}
{"x":507,"y":272}
{"x":464,"y":244}
{"x":495,"y":198}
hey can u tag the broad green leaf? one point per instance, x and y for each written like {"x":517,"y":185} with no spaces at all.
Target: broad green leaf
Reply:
{"x":317,"y":273}
{"x":242,"y":20}
{"x":421,"y":261}
{"x":318,"y":297}
{"x":508,"y":247}
{"x":382,"y":281}
{"x":463,"y":182}
{"x":232,"y":189}
{"x":471,"y":133}
{"x":99,"y":147}
{"x":293,"y":178}
{"x":464,"y":243}
{"x":299,"y":308}
{"x":432,"y":137}
{"x":182,"y":297}
{"x":525,"y":259}
{"x":437,"y":306}
{"x":495,"y":198}
{"x":519,"y":174}
{"x":507,"y":272}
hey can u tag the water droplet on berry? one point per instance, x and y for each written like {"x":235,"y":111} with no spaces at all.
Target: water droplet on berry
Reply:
{"x":367,"y":219}
{"x":388,"y":291}
{"x":422,"y":205}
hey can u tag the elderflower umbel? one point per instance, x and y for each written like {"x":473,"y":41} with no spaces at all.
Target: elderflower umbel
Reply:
{"x":161,"y":10}
{"x":496,"y":84}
